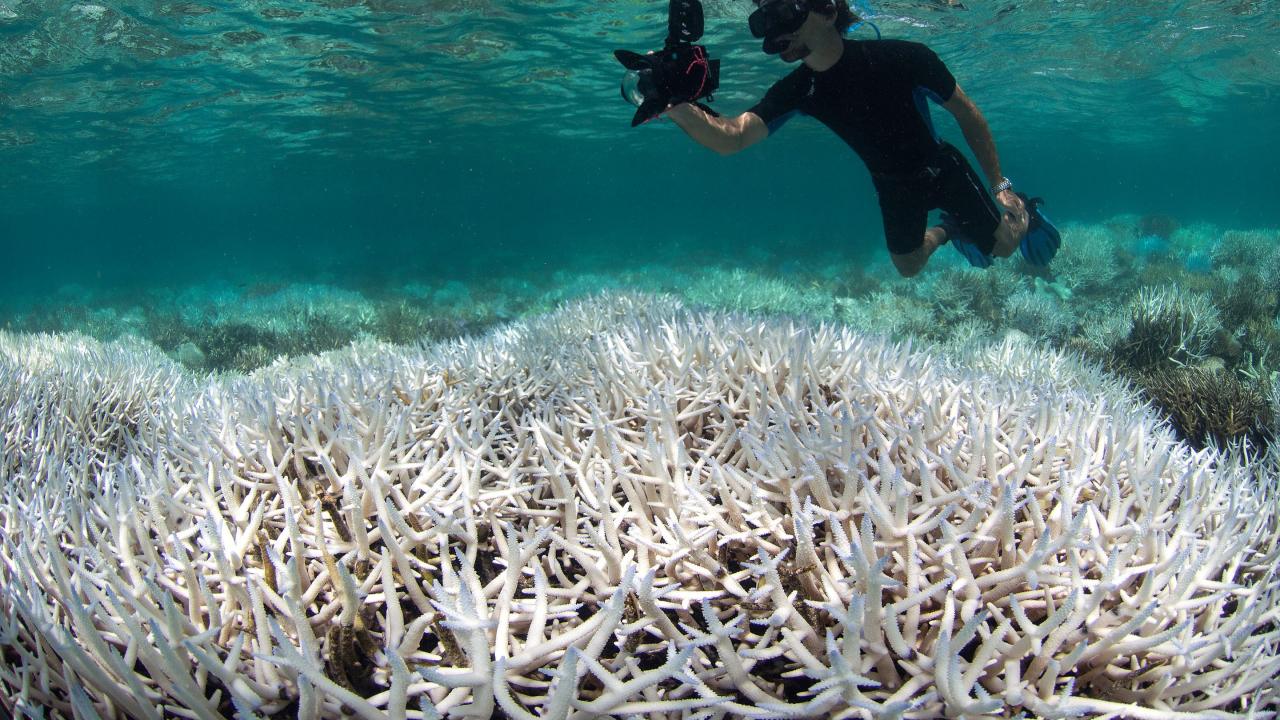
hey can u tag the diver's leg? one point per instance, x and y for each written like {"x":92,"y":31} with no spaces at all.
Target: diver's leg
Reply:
{"x":1007,"y":239}
{"x":905,"y":217}
{"x":911,"y":263}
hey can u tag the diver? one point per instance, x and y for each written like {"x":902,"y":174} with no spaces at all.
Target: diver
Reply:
{"x":872,"y":94}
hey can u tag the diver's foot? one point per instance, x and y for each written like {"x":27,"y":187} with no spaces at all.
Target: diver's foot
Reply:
{"x":934,"y":238}
{"x":962,"y":244}
{"x":1007,"y":237}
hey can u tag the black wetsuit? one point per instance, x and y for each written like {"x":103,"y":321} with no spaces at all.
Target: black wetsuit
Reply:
{"x":874,"y":98}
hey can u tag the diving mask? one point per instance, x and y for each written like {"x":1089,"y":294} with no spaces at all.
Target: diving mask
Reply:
{"x":776,"y":18}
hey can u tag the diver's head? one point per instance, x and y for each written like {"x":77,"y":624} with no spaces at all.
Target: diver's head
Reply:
{"x":791,"y":28}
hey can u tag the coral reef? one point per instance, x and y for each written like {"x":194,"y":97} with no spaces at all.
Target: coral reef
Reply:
{"x":223,"y":329}
{"x":1275,"y":404}
{"x":238,"y":347}
{"x":853,"y":281}
{"x":1111,"y":293}
{"x":1175,"y":347}
{"x":404,"y":322}
{"x":1100,"y":327}
{"x":628,"y":509}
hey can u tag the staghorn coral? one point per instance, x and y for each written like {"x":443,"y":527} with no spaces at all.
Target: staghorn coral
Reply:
{"x":968,"y":334}
{"x":627,"y":509}
{"x":1242,"y":297}
{"x":403,"y":322}
{"x":1088,"y":262}
{"x":72,"y":401}
{"x":1244,"y":248}
{"x":239,"y":347}
{"x":1016,"y":357}
{"x":1260,"y":342}
{"x":888,"y":313}
{"x":293,"y":309}
{"x":960,"y":294}
{"x":235,"y":330}
{"x":1168,"y":326}
{"x":743,"y":290}
{"x":1040,"y":314}
{"x":1269,"y":271}
{"x":1212,"y":405}
{"x":1101,"y":327}
{"x":851,"y":281}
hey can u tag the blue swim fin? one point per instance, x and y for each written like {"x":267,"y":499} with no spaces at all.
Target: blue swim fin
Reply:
{"x":1042,"y":240}
{"x":964,"y":245}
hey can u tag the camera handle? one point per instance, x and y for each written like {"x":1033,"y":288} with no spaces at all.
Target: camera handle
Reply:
{"x":684,"y":22}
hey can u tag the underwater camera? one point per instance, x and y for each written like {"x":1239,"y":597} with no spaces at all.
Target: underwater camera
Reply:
{"x":679,"y":72}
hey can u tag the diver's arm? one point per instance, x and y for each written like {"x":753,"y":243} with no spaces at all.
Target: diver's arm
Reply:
{"x":977,"y":133}
{"x":723,"y":135}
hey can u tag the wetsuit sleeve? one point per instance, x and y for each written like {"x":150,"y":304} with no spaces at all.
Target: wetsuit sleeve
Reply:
{"x":782,"y":100}
{"x":929,"y":72}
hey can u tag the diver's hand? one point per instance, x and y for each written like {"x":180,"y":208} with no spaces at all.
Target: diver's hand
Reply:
{"x":1013,"y":224}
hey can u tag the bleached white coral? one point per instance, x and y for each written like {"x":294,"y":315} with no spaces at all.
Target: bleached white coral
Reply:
{"x":742,"y":290}
{"x":1103,"y":326}
{"x":286,"y":309}
{"x":627,"y":509}
{"x":1244,"y":248}
{"x":73,"y":404}
{"x":1040,"y":314}
{"x":1016,"y":358}
{"x":959,"y":294}
{"x":887,"y":313}
{"x":1088,"y":262}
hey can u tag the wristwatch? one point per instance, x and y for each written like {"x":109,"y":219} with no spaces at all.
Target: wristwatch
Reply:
{"x":1004,"y":184}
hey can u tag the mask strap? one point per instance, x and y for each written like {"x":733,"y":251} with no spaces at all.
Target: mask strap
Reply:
{"x":864,"y":11}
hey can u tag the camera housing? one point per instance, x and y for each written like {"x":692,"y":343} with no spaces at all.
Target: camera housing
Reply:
{"x":680,"y":72}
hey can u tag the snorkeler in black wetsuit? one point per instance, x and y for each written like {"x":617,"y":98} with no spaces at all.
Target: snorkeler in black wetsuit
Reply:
{"x":872,"y":94}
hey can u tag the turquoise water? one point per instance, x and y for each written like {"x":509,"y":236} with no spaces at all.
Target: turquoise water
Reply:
{"x":164,"y":155}
{"x":155,"y":141}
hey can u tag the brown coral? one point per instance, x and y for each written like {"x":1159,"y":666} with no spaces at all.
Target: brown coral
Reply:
{"x":1211,"y":405}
